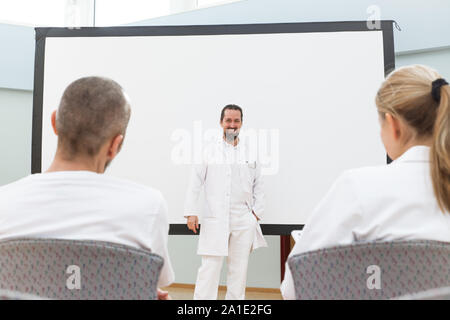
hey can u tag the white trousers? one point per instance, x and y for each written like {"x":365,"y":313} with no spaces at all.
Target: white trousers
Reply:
{"x":208,"y":276}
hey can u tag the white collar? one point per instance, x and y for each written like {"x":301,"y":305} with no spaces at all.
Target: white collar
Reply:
{"x":415,"y":154}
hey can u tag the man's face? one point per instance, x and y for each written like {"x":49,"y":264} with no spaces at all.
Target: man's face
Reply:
{"x":231,"y":123}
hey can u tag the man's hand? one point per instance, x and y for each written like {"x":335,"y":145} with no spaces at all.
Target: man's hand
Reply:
{"x":192,"y":223}
{"x":163,"y":295}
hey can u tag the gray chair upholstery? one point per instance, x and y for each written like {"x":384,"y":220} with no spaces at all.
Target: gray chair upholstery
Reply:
{"x":371,"y":270}
{"x":73,"y":269}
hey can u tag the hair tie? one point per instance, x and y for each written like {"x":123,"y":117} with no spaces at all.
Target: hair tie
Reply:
{"x":436,"y":88}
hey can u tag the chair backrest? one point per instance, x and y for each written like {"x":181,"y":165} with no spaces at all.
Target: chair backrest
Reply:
{"x":372,"y":270}
{"x":74,"y":269}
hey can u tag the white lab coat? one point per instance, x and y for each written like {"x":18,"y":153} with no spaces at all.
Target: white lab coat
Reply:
{"x":214,"y":175}
{"x":383,"y":203}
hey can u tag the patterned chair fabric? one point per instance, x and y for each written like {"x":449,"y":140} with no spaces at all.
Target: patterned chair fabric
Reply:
{"x":74,"y":269}
{"x":371,"y":270}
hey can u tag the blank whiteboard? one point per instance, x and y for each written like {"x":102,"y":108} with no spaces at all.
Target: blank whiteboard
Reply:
{"x":307,"y":91}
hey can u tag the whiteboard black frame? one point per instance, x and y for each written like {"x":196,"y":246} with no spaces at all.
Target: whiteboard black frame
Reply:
{"x":386,"y":26}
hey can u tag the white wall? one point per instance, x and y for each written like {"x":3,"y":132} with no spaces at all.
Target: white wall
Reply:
{"x":15,"y":133}
{"x":438,"y":59}
{"x":16,"y":57}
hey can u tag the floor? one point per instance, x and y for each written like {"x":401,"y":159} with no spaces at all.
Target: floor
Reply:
{"x":186,"y":292}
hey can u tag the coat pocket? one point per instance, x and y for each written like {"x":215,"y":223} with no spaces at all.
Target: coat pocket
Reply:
{"x":214,"y":207}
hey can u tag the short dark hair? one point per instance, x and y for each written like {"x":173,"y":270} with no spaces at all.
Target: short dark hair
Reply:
{"x":92,"y":110}
{"x":231,"y":107}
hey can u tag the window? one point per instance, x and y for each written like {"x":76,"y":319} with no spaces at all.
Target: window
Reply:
{"x":86,"y":13}
{"x":117,"y":12}
{"x":34,"y":13}
{"x":210,"y":3}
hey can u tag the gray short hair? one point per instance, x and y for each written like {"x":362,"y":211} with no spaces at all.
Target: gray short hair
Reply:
{"x":92,"y":110}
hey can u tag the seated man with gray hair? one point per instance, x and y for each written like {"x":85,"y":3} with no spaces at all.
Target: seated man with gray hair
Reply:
{"x":73,"y":199}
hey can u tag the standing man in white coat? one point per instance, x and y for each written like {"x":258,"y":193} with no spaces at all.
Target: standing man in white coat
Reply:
{"x":234,"y":199}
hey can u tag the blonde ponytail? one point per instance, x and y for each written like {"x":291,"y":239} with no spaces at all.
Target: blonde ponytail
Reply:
{"x":440,"y":151}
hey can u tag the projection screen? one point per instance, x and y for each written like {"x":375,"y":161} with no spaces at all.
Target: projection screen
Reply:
{"x":307,"y":91}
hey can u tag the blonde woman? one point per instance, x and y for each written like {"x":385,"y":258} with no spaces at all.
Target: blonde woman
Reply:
{"x":408,"y":199}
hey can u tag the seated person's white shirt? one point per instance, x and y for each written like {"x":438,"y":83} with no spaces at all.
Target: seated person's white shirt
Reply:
{"x":383,"y":203}
{"x":84,"y":205}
